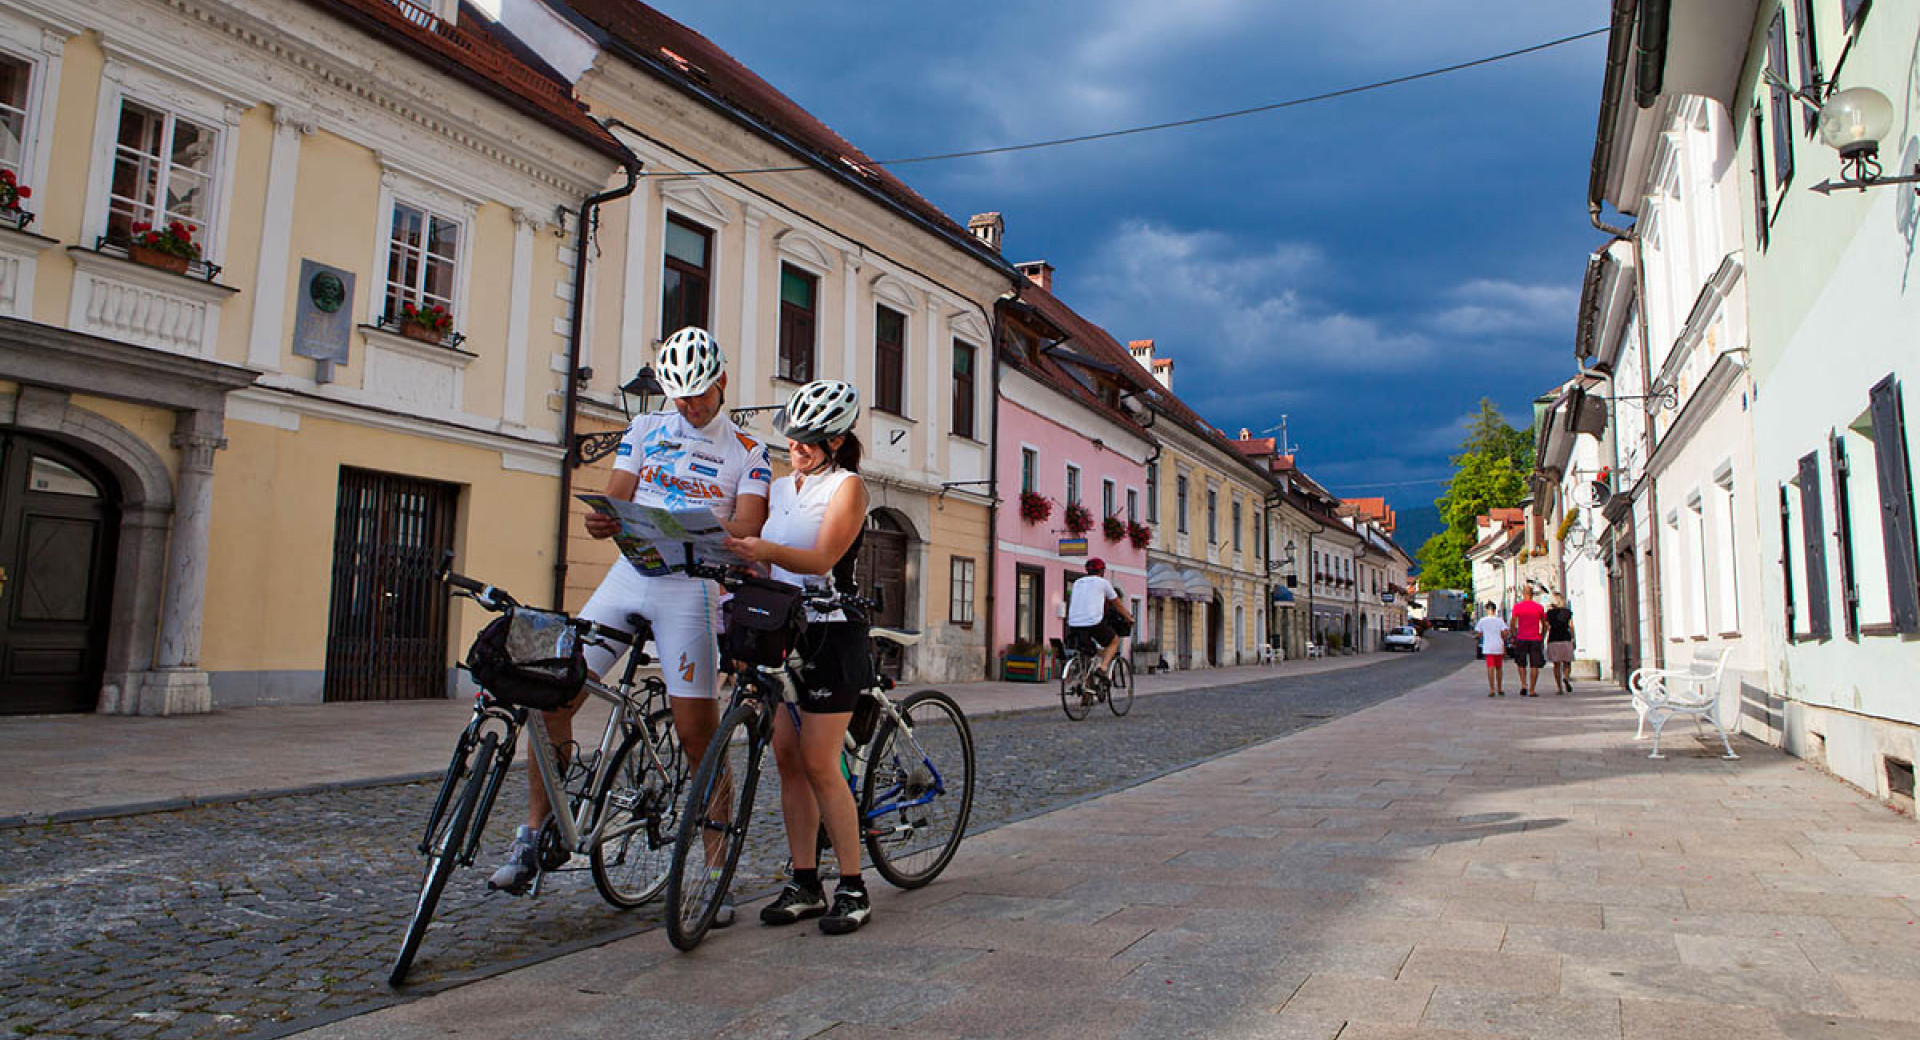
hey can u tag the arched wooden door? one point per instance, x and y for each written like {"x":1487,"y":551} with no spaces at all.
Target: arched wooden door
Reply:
{"x":883,"y":562}
{"x":59,"y":522}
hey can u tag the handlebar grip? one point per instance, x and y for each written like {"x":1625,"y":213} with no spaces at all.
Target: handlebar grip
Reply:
{"x":462,"y":582}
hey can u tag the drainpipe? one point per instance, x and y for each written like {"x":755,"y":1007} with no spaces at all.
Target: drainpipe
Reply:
{"x":993,"y":487}
{"x":569,"y":414}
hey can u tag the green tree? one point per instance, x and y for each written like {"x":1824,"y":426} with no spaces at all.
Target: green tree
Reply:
{"x":1489,"y":473}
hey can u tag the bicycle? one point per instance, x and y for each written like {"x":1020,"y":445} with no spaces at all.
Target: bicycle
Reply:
{"x":622,"y":799}
{"x":1082,"y":684}
{"x":912,"y":782}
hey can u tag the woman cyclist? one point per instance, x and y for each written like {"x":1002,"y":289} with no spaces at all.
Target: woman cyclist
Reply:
{"x":692,"y":454}
{"x":812,"y":538}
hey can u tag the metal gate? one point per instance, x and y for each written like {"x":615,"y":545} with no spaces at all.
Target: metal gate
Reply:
{"x":387,"y":628}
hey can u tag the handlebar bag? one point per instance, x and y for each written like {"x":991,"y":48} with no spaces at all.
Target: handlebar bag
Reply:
{"x":530,"y":658}
{"x":763,"y":617}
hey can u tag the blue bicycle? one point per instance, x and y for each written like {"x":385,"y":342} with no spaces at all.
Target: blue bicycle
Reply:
{"x":911,"y":777}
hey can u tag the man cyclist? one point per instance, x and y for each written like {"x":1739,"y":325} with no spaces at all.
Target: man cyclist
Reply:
{"x":1087,"y":609}
{"x":692,"y":454}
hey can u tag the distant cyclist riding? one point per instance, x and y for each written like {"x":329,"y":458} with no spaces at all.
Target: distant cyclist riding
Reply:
{"x":691,"y":454}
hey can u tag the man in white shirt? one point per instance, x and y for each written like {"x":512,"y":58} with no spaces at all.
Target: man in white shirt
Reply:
{"x":1492,"y":632}
{"x":1087,"y":612}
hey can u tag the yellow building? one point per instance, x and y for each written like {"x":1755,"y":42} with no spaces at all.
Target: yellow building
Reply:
{"x":829,"y":267}
{"x":1207,"y":576}
{"x":233,"y":484}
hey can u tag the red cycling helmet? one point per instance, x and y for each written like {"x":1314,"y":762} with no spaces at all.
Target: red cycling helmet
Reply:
{"x":1096,"y":565}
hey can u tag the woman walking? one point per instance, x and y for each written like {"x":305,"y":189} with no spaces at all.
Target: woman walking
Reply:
{"x":1560,"y":644}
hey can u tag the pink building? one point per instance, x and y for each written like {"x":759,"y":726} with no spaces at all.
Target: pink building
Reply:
{"x":1065,"y":432}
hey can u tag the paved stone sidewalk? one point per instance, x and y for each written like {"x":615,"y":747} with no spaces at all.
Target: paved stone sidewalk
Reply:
{"x":1439,"y":866}
{"x":60,"y":766}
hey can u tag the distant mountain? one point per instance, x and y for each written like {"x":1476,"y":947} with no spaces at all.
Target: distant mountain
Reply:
{"x":1415,"y":524}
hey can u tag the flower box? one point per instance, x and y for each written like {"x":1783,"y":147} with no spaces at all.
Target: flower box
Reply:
{"x":423,"y":333}
{"x":156,"y":258}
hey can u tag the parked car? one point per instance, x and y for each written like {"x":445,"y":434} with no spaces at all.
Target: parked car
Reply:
{"x":1404,"y":638}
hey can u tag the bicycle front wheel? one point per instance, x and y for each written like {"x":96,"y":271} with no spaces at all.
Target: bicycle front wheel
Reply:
{"x":918,"y":791}
{"x":1073,"y":687}
{"x":639,"y":813}
{"x":1120,"y":686}
{"x":444,"y":848}
{"x":713,"y":828}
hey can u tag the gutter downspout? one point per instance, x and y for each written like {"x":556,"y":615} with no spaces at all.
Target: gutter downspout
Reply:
{"x":1619,"y":40}
{"x":570,"y":413}
{"x":993,"y":478}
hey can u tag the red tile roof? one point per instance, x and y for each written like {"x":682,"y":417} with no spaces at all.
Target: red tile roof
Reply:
{"x":699,"y":66}
{"x":477,"y":58}
{"x":1088,"y":339}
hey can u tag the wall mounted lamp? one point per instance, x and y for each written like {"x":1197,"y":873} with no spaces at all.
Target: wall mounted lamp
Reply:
{"x":641,"y":394}
{"x":1852,"y":122}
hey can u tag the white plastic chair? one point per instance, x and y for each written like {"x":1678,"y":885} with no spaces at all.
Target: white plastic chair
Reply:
{"x":1659,"y":694}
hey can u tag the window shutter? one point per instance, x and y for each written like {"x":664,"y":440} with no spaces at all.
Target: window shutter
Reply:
{"x":1786,"y":556}
{"x":1809,"y":48}
{"x":1779,"y":102}
{"x":1813,"y":524}
{"x":1896,"y":503}
{"x":1851,"y":11}
{"x":1761,"y":208}
{"x":1843,"y":536}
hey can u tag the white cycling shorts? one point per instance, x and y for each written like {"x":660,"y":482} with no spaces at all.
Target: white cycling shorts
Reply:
{"x":685,"y":613}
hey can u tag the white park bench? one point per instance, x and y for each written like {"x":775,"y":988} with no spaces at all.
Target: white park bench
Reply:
{"x":1659,"y":694}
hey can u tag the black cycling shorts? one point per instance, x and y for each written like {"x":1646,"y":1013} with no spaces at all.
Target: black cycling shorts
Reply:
{"x":839,"y":666}
{"x":1101,"y":634}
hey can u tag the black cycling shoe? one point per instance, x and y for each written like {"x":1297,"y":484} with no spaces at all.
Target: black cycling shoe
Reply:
{"x":794,"y":903}
{"x":851,"y":909}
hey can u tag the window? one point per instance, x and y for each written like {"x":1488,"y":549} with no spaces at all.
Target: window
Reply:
{"x":1133,"y":506}
{"x":963,"y":358}
{"x":1789,"y":574}
{"x":960,"y":609}
{"x":1780,"y":101}
{"x":1213,"y":517}
{"x":162,"y":172}
{"x":1029,"y":461}
{"x":684,"y":284}
{"x":1236,"y":525}
{"x":1107,"y":498}
{"x":1895,"y":483}
{"x":797,"y":323}
{"x":1843,"y":534}
{"x":1153,"y":492}
{"x":1697,"y":521}
{"x":1729,"y":584}
{"x":1073,"y":484}
{"x":1814,"y":546}
{"x":889,"y":360}
{"x":1180,"y":502}
{"x":15,"y":78}
{"x":1809,"y":51}
{"x":423,"y":260}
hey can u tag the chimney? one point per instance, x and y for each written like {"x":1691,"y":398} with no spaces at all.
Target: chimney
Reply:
{"x":1039,"y":272}
{"x":989,"y":228}
{"x":1246,"y":434}
{"x":1162,"y":368}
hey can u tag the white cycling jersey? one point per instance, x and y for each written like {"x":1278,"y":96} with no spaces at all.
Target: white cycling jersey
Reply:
{"x":677,"y":466}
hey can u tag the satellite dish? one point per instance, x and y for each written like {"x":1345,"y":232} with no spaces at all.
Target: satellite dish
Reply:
{"x":1594,"y":494}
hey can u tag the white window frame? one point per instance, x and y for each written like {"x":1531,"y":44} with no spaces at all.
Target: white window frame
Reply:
{"x":1071,"y":494}
{"x":122,"y":81}
{"x":1133,"y":505}
{"x":956,"y":605}
{"x":1109,"y":497}
{"x":1729,"y":547}
{"x":402,"y":187}
{"x":41,"y":47}
{"x":1029,"y":467}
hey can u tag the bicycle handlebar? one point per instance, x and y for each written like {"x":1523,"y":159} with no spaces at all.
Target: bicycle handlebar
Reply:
{"x":499,"y":601}
{"x":824,"y":601}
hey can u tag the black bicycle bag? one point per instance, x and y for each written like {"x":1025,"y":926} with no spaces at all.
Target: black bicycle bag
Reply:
{"x":530,"y":658}
{"x":763,"y":619}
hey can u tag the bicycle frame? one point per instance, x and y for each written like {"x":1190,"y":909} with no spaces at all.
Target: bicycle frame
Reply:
{"x":851,"y":753}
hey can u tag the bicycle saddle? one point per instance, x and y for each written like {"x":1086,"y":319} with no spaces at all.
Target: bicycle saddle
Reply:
{"x":897,"y":636}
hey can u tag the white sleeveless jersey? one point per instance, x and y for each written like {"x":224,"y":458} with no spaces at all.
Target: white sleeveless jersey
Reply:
{"x":679,"y":466}
{"x":794,"y":517}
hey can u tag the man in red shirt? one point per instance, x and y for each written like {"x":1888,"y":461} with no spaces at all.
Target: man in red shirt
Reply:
{"x":1529,"y":639}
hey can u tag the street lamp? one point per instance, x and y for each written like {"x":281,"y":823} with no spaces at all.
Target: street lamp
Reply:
{"x":1285,"y":563}
{"x":641,"y":393}
{"x":1852,"y":123}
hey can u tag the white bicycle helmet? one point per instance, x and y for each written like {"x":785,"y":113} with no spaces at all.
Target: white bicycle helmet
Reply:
{"x":818,"y":412}
{"x":689,"y":363}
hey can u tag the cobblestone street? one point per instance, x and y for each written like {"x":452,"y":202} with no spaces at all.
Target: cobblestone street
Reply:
{"x":248,"y":917}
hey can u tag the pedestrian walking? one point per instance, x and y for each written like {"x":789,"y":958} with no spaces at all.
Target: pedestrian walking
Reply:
{"x":1560,"y":644}
{"x":1529,"y":638}
{"x":1492,"y":631}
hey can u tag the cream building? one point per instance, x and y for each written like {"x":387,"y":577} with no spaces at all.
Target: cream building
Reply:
{"x":829,"y":268}
{"x":234,"y":484}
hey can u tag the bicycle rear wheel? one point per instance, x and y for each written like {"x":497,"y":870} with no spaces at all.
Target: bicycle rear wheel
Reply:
{"x":1073,"y":687}
{"x":444,"y":849}
{"x":639,"y":813}
{"x":713,"y":828}
{"x":1120,"y":686}
{"x":918,"y":790}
